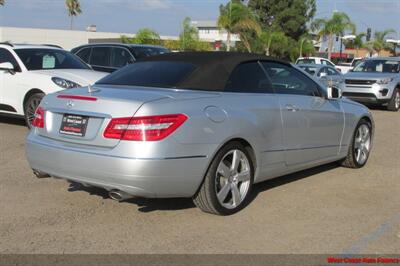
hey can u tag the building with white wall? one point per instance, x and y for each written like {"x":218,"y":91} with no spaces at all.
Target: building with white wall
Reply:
{"x":210,"y":32}
{"x":67,"y":39}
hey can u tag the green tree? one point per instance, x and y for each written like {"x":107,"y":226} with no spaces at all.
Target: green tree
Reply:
{"x":143,"y":36}
{"x":189,"y":36}
{"x":272,"y":42}
{"x":336,"y":25}
{"x":357,"y":43}
{"x":379,"y":42}
{"x":237,"y":18}
{"x":73,"y":9}
{"x":305,"y":46}
{"x":146,"y":35}
{"x":289,"y":16}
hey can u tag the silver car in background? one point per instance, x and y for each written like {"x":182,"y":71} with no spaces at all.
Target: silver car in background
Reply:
{"x":200,"y":125}
{"x":375,"y":81}
{"x":327,"y":75}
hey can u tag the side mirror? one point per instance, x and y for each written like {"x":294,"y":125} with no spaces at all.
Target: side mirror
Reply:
{"x":7,"y":66}
{"x":334,"y":92}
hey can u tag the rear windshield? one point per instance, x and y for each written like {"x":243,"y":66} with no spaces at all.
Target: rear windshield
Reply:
{"x":141,"y":52}
{"x":305,"y":61}
{"x":166,"y":74}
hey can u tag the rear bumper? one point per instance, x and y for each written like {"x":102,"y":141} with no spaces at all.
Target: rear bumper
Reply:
{"x":155,"y":177}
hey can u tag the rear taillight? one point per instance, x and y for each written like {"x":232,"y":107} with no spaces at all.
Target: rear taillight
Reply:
{"x":145,"y":128}
{"x":38,"y":120}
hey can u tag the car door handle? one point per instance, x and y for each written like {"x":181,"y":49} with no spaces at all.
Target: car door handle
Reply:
{"x":292,"y":108}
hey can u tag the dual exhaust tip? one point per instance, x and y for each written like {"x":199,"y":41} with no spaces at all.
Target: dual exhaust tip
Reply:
{"x":114,"y":194}
{"x":119,"y":195}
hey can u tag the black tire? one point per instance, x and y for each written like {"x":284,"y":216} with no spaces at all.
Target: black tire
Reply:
{"x":206,"y":197}
{"x":351,"y":161}
{"x":30,"y":107}
{"x":394,"y":103}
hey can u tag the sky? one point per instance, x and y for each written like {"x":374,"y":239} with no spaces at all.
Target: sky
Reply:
{"x":165,"y":16}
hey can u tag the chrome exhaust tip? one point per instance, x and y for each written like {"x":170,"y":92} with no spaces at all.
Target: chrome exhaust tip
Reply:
{"x":119,"y":195}
{"x":40,"y":174}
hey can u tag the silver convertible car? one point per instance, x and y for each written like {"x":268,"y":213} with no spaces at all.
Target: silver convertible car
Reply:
{"x":200,"y":125}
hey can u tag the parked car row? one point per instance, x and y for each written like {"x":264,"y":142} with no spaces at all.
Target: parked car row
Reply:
{"x":372,"y":81}
{"x":28,"y":72}
{"x":110,"y":57}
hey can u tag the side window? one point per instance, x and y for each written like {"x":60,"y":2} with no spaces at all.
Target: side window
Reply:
{"x":84,"y":54}
{"x":324,"y":62}
{"x":332,"y":72}
{"x":6,"y":56}
{"x":100,"y":56}
{"x":120,"y":57}
{"x":288,"y":80}
{"x":322,"y":70}
{"x":328,"y":63}
{"x":248,"y":78}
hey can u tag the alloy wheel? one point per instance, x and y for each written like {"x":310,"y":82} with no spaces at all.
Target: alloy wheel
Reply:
{"x":31,"y":109}
{"x":397,"y":100}
{"x":233,"y":179}
{"x":362,"y":144}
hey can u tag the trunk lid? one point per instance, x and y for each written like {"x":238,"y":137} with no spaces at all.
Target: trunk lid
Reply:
{"x":104,"y":103}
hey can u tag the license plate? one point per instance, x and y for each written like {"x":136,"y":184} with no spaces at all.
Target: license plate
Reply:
{"x":74,"y":125}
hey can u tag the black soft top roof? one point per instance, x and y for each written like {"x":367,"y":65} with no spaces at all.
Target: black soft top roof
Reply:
{"x":213,"y":68}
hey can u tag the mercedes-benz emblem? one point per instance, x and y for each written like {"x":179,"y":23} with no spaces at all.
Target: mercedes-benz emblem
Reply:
{"x":70,"y":104}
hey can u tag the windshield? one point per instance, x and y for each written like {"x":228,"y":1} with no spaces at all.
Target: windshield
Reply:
{"x":305,"y":61}
{"x":355,"y":62}
{"x":141,"y":52}
{"x":379,"y":66}
{"x":42,"y":59}
{"x":166,"y":74}
{"x":309,"y":69}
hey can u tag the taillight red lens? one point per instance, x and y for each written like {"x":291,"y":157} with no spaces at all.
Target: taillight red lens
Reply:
{"x":145,"y":128}
{"x":38,"y":121}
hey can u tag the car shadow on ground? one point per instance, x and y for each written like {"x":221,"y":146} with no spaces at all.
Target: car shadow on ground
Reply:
{"x":18,"y":121}
{"x":172,"y":204}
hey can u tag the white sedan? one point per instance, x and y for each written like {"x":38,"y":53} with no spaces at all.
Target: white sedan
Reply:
{"x":28,"y":72}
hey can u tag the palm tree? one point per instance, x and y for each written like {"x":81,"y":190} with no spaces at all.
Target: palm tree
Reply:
{"x":358,"y":41}
{"x":237,"y":18}
{"x":379,"y":42}
{"x":270,"y":38}
{"x":73,"y":8}
{"x":336,"y":25}
{"x":305,"y":45}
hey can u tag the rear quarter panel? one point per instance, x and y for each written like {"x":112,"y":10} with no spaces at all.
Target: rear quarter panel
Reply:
{"x":254,"y":118}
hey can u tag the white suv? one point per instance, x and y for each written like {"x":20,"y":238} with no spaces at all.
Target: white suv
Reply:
{"x":28,"y":72}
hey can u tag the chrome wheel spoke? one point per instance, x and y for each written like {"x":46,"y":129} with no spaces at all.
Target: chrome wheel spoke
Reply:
{"x":243,"y":176}
{"x":235,"y":195}
{"x":235,"y":160}
{"x":358,"y":155}
{"x":224,"y":192}
{"x":357,"y":143}
{"x":224,"y":170}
